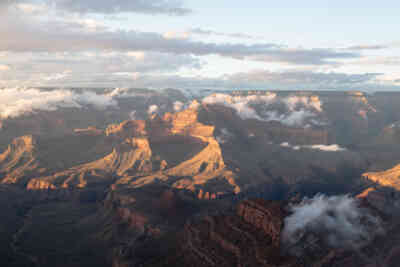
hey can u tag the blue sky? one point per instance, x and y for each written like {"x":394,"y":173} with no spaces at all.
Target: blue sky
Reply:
{"x":339,"y":45}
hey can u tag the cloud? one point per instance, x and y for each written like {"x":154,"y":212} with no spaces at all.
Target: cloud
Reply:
{"x":326,"y":148}
{"x":337,"y":221}
{"x":203,"y":32}
{"x":284,"y":80}
{"x":31,"y":72}
{"x":133,"y":115}
{"x":142,"y":59}
{"x":367,"y":47}
{"x":295,"y":118}
{"x":57,"y":76}
{"x":303,"y":101}
{"x":30,"y":8}
{"x":301,"y":79}
{"x":378,"y":60}
{"x":151,"y":7}
{"x":70,"y":69}
{"x":224,"y":136}
{"x":176,"y":35}
{"x":178,"y":106}
{"x":152,"y":109}
{"x":4,"y":68}
{"x":16,"y":102}
{"x":22,"y":33}
{"x":297,"y":111}
{"x":240,"y":104}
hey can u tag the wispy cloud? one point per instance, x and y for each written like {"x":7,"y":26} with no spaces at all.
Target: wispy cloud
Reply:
{"x":4,"y":68}
{"x":367,"y":47}
{"x":205,"y":32}
{"x":152,"y":7}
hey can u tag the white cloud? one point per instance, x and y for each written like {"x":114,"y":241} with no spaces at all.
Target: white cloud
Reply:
{"x":293,"y":118}
{"x":4,"y":68}
{"x":151,"y":7}
{"x":22,"y":33}
{"x":224,"y":136}
{"x":242,"y":105}
{"x":176,"y":35}
{"x":308,"y":102}
{"x":338,"y":221}
{"x":139,"y":55}
{"x":132,"y":115}
{"x":299,"y":110}
{"x":285,"y":144}
{"x":30,"y":8}
{"x":152,"y":109}
{"x":178,"y":106}
{"x":56,"y":76}
{"x":203,"y":32}
{"x":326,"y":148}
{"x":367,"y":47}
{"x":15,"y":102}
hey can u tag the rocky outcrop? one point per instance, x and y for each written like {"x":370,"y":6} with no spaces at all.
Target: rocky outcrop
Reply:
{"x":19,"y":161}
{"x":127,"y":129}
{"x":134,"y":155}
{"x":388,"y":178}
{"x":265,"y":216}
{"x":248,"y":238}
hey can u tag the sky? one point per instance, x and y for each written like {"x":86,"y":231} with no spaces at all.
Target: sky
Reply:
{"x":286,"y":45}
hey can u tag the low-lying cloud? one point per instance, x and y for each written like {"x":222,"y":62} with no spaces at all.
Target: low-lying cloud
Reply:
{"x":240,"y":104}
{"x":337,"y":221}
{"x":224,"y":136}
{"x":178,"y":106}
{"x":326,"y":148}
{"x":15,"y":102}
{"x":298,"y":110}
{"x":153,"y":109}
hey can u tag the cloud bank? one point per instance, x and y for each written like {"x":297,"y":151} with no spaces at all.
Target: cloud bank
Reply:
{"x":16,"y":102}
{"x":298,"y":110}
{"x":65,"y":35}
{"x":151,"y":7}
{"x":338,"y":221}
{"x":22,"y":33}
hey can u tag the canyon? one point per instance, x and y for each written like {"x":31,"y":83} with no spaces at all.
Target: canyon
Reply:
{"x":208,"y":182}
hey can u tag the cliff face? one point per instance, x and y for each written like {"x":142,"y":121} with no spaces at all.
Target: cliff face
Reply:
{"x":204,"y":171}
{"x":265,"y":216}
{"x":134,"y":155}
{"x":248,"y":238}
{"x":140,"y":156}
{"x":18,"y":161}
{"x":390,"y":178}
